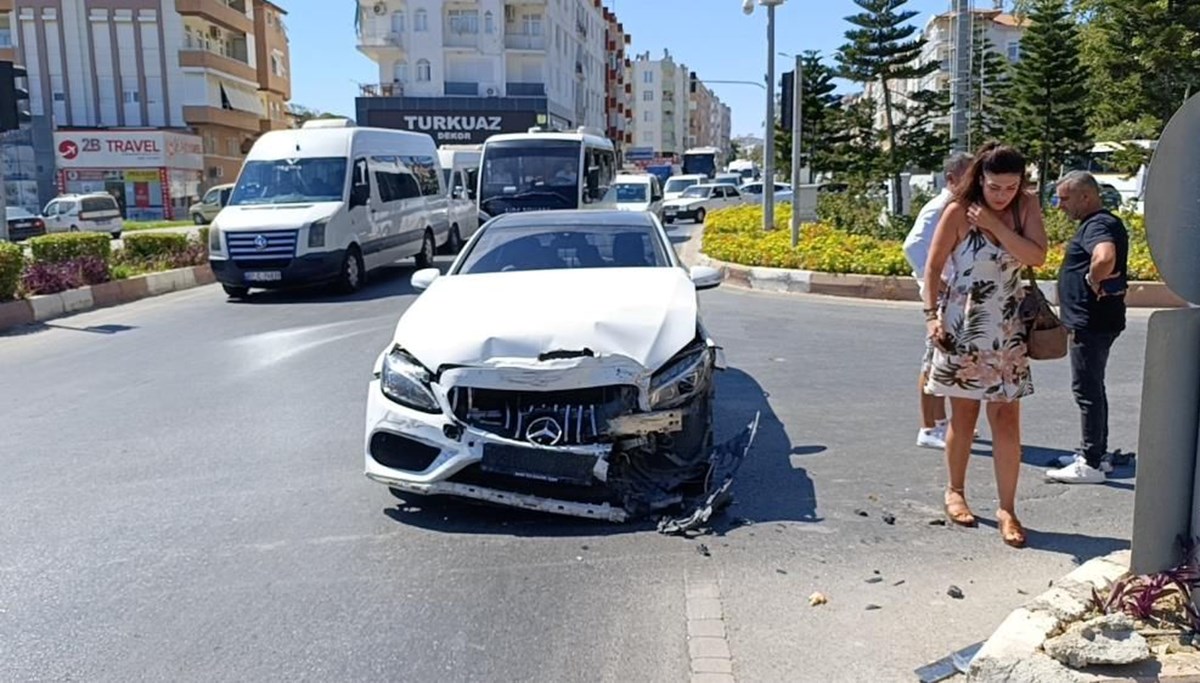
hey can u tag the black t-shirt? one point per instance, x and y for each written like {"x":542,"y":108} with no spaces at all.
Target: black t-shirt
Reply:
{"x":1079,"y":307}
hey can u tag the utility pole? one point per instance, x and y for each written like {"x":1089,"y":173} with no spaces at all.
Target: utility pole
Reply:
{"x":797,"y":142}
{"x":960,"y":89}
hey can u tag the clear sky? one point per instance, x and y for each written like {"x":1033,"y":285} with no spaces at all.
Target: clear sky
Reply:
{"x":712,"y":37}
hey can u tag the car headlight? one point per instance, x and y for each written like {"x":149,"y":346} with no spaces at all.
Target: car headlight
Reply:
{"x":316,"y":234}
{"x":683,"y":378}
{"x":214,"y":239}
{"x":404,"y":381}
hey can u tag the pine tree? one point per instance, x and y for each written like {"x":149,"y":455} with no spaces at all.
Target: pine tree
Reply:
{"x":882,"y":49}
{"x":924,"y":135}
{"x":990,"y":82}
{"x":819,"y":105}
{"x":1049,"y":114}
{"x":854,"y":150}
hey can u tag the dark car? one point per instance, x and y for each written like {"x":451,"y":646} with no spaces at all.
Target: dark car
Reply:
{"x":1110,"y":195}
{"x":22,"y":224}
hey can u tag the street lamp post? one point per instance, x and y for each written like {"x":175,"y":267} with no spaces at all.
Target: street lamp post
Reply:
{"x":769,"y":141}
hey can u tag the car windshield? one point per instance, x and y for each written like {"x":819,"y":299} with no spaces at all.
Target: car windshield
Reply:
{"x":526,"y":175}
{"x":679,"y":184}
{"x":696,"y":192}
{"x":631,"y":193}
{"x":290,"y":181}
{"x":524,"y":247}
{"x":11,"y":212}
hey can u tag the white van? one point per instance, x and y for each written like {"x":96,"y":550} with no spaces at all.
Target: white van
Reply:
{"x":460,"y":173}
{"x":97,"y":212}
{"x":637,"y":192}
{"x":675,"y":185}
{"x":328,"y":203}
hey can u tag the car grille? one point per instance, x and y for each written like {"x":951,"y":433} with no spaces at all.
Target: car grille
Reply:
{"x":275,"y":249}
{"x":547,"y":418}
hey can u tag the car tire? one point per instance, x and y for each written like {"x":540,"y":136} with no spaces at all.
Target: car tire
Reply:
{"x":454,"y":243}
{"x":669,"y":221}
{"x":700,"y":216}
{"x":73,"y":228}
{"x":424,"y":258}
{"x":350,"y":278}
{"x":198,"y":219}
{"x":116,"y":235}
{"x":236,"y":291}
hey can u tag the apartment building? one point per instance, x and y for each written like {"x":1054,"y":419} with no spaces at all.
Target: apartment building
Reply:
{"x":1004,"y":30}
{"x":709,"y":119}
{"x":127,"y":87}
{"x":463,"y":70}
{"x":661,"y":105}
{"x":618,"y":91}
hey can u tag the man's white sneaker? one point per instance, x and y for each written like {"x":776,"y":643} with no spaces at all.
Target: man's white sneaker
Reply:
{"x":1078,"y":472}
{"x":1106,"y":465}
{"x":931,"y":438}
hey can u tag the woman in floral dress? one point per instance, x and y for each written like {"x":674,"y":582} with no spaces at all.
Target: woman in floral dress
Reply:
{"x":989,"y":233}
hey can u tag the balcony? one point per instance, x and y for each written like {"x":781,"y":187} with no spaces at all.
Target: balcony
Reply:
{"x":524,"y":41}
{"x":394,"y":89}
{"x":205,"y":59}
{"x":230,"y":14}
{"x":214,"y":116}
{"x":525,"y":89}
{"x":380,"y":45}
{"x":462,"y":89}
{"x":460,"y":40}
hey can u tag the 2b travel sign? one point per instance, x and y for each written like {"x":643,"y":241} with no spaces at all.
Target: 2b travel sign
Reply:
{"x":128,"y":149}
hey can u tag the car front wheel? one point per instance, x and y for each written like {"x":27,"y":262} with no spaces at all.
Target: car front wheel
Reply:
{"x":351,"y":277}
{"x":236,"y":292}
{"x":700,"y":216}
{"x":198,"y":219}
{"x":424,"y":258}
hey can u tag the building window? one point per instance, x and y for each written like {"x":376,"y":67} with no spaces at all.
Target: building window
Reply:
{"x":424,"y":71}
{"x":647,"y":76}
{"x":398,"y":21}
{"x":233,"y":147}
{"x":421,"y":22}
{"x":1014,"y":50}
{"x":60,"y":97}
{"x":531,"y":24}
{"x":647,"y":95}
{"x":400,"y":72}
{"x":277,"y":64}
{"x":489,"y":23}
{"x":463,"y":21}
{"x":647,"y":116}
{"x":131,"y":97}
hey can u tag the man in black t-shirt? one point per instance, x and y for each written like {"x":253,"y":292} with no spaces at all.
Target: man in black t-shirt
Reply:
{"x":1091,"y":297}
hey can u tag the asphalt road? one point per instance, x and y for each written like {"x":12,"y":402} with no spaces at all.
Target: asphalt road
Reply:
{"x":183,"y":500}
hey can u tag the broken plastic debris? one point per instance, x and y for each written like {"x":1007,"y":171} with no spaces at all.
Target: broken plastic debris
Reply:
{"x":889,"y":518}
{"x":817,"y":599}
{"x":724,"y":463}
{"x":875,"y":579}
{"x":873,"y":607}
{"x":703,"y":550}
{"x":860,"y":513}
{"x":955,"y":592}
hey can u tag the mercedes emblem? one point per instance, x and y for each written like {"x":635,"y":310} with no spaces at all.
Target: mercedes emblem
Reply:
{"x":544,"y":431}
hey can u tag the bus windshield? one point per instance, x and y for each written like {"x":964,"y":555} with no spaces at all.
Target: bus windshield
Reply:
{"x":699,"y":164}
{"x":530,"y":175}
{"x":290,"y":181}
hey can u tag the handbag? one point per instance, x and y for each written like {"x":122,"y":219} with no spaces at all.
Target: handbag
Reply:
{"x":1045,"y":336}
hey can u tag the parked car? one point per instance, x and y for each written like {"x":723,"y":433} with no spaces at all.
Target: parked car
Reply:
{"x":205,"y":210}
{"x":96,"y":212}
{"x":1109,"y":195}
{"x":675,"y":185}
{"x":756,"y":189}
{"x":734,"y":179}
{"x":603,"y":409}
{"x":637,"y":192}
{"x":22,"y":224}
{"x":698,"y":200}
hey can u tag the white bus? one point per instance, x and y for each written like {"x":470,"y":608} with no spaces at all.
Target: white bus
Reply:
{"x":538,"y":171}
{"x":704,"y":161}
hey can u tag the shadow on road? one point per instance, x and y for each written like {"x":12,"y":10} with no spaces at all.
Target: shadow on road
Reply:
{"x":1047,"y":457}
{"x":383,"y":283}
{"x":1080,"y":547}
{"x":769,"y":487}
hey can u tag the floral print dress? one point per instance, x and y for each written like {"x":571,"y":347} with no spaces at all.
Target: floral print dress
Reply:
{"x":980,"y":314}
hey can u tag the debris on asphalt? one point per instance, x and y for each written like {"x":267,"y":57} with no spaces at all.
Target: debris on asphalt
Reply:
{"x":780,"y":571}
{"x":579,"y":558}
{"x":703,"y":550}
{"x":875,"y":579}
{"x":889,"y":518}
{"x":873,"y":606}
{"x":937,"y":522}
{"x":861,"y":512}
{"x":949,"y":666}
{"x":899,"y":583}
{"x":723,"y":463}
{"x":1021,"y":592}
{"x":817,"y":599}
{"x":955,"y":592}
{"x":875,"y":571}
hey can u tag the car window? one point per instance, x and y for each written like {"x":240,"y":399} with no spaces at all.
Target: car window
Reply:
{"x":51,"y":209}
{"x":732,"y":192}
{"x":632,"y":192}
{"x":11,"y":212}
{"x":210,"y":197}
{"x":95,"y":204}
{"x":523,"y":248}
{"x":700,"y":192}
{"x":679,"y":184}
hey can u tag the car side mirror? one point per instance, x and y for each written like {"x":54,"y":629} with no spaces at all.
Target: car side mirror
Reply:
{"x":705,"y":277}
{"x":424,"y":277}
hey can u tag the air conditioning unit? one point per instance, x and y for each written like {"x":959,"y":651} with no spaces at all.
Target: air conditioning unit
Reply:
{"x":216,"y":172}
{"x":490,"y":89}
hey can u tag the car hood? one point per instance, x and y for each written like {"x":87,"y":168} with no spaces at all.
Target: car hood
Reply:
{"x":644,"y":314}
{"x":274,"y":216}
{"x":684,"y":201}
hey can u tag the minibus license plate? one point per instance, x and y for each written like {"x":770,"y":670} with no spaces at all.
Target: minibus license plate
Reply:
{"x":263,"y":276}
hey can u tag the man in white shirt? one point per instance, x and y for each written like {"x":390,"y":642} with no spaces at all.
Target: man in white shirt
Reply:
{"x":916,"y":249}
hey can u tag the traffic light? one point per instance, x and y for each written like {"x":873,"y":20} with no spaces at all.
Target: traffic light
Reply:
{"x":787,"y":98}
{"x":14,"y":97}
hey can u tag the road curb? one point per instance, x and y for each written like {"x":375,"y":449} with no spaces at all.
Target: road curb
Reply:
{"x":44,"y":307}
{"x":894,"y":287}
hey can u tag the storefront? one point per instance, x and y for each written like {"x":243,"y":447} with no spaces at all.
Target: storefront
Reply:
{"x":153,"y":174}
{"x":458,"y":120}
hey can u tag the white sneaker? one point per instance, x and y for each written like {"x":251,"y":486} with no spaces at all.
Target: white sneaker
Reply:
{"x":1106,"y":465}
{"x":1078,"y":472}
{"x":931,"y":438}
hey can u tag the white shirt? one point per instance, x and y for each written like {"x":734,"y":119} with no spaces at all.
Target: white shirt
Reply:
{"x":916,"y":245}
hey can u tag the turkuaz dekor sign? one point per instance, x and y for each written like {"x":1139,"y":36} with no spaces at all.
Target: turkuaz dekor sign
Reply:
{"x":456,"y":127}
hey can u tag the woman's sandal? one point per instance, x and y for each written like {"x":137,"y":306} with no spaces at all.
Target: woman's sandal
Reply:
{"x":1011,"y":530}
{"x":958,"y":512}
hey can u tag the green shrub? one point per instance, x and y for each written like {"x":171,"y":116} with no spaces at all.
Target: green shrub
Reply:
{"x":203,"y":236}
{"x":1059,"y":228}
{"x":70,"y":246}
{"x":12,"y":260}
{"x":151,"y":245}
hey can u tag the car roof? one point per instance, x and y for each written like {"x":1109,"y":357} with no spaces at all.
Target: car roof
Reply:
{"x":573,"y":218}
{"x":633,"y":178}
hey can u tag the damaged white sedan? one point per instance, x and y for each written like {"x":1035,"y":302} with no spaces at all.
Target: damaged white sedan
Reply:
{"x":560,"y":365}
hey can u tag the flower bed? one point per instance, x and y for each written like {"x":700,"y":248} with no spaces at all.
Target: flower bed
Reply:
{"x":735,"y":235}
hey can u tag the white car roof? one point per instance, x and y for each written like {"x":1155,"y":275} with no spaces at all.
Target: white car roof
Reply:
{"x":638,"y":178}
